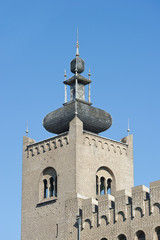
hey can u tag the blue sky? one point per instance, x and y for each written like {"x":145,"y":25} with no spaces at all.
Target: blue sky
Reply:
{"x":119,"y":41}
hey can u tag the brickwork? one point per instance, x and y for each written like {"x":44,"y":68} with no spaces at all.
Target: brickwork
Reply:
{"x":77,"y":157}
{"x":104,"y":219}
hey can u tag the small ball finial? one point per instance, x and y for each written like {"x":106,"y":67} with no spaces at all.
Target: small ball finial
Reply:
{"x":27,"y":129}
{"x":89,"y":74}
{"x":128,"y":130}
{"x":65,"y":75}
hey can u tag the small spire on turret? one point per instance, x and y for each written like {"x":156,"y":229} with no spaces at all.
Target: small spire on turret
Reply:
{"x":27,"y":129}
{"x":89,"y":74}
{"x":77,"y":45}
{"x":65,"y":90}
{"x":65,"y":75}
{"x":89,"y":87}
{"x":128,"y":130}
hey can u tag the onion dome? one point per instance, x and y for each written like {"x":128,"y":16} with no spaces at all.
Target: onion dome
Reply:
{"x":94,"y":119}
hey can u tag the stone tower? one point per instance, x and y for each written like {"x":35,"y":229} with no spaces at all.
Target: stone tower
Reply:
{"x":70,"y":181}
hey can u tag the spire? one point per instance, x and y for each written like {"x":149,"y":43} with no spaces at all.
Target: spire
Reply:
{"x":27,"y":129}
{"x":128,"y":130}
{"x":77,"y":45}
{"x":65,"y":94}
{"x":89,"y":74}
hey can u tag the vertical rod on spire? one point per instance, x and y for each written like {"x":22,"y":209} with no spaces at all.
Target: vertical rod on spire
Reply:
{"x":89,"y":88}
{"x":128,"y":130}
{"x":65,"y":87}
{"x":27,"y":129}
{"x":76,"y":89}
{"x":76,"y":81}
{"x":77,"y":45}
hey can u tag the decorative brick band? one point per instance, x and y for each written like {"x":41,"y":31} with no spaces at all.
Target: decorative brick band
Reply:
{"x":47,"y":145}
{"x":106,"y":144}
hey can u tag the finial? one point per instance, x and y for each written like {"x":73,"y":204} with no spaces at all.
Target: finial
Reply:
{"x":128,"y":130}
{"x":77,"y":45}
{"x":89,"y":74}
{"x":27,"y":129}
{"x":65,"y":91}
{"x":65,"y":75}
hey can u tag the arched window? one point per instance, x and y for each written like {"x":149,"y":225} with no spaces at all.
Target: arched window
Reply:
{"x":122,"y":237}
{"x":109,"y":185}
{"x":51,"y":188}
{"x":105,"y":181}
{"x":48,"y":184}
{"x":45,"y":188}
{"x":140,"y":235}
{"x":102,"y":186}
{"x":158,"y":233}
{"x":97,"y":185}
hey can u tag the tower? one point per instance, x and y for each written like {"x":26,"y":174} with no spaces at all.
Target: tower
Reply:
{"x":73,"y":178}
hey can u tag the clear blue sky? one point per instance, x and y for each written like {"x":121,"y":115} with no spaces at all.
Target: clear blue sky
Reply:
{"x":119,"y":41}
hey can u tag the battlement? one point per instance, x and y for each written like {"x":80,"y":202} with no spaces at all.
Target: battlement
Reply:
{"x":124,"y":207}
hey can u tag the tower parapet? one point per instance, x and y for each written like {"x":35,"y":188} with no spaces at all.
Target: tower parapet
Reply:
{"x":118,"y":213}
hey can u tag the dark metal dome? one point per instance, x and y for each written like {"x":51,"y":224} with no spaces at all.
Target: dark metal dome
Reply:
{"x":94,"y":119}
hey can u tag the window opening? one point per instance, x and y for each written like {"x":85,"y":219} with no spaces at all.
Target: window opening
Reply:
{"x":96,"y":185}
{"x":122,"y":237}
{"x":141,"y":235}
{"x":56,"y":186}
{"x":158,"y":233}
{"x":102,"y":187}
{"x":45,"y":188}
{"x":51,"y":189}
{"x":109,"y":186}
{"x":48,"y":184}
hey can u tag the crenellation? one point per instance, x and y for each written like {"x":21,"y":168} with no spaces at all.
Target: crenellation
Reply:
{"x":139,"y":195}
{"x":88,"y":209}
{"x":155,"y":195}
{"x":116,"y":210}
{"x":121,"y":202}
{"x":105,"y":203}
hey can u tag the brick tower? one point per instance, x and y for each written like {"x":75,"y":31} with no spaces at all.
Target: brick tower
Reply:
{"x":79,"y":185}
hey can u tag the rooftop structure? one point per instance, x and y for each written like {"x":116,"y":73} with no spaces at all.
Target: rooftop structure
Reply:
{"x":80,"y":185}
